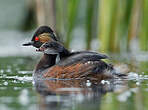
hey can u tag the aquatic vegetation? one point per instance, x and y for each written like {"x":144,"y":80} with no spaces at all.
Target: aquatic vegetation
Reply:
{"x":117,"y":26}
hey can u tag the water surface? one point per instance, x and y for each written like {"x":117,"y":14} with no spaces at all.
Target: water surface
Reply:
{"x":18,"y":90}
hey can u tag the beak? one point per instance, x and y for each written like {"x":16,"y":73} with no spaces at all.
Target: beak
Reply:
{"x":29,"y":43}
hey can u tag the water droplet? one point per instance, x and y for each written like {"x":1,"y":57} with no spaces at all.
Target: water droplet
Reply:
{"x":24,"y":98}
{"x":8,"y":70}
{"x":5,"y":83}
{"x":105,"y":82}
{"x":33,"y":82}
{"x":15,"y":88}
{"x":4,"y":75}
{"x":88,"y":83}
{"x":137,"y":83}
{"x":1,"y":71}
{"x":15,"y":81}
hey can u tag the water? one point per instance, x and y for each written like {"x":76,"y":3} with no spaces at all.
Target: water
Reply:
{"x":18,"y":90}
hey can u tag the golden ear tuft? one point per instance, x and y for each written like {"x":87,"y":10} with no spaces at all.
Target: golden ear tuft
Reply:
{"x":45,"y":37}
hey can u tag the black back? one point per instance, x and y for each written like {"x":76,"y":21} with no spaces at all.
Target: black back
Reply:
{"x":81,"y":56}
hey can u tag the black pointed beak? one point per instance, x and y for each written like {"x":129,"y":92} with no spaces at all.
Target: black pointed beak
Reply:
{"x":29,"y":43}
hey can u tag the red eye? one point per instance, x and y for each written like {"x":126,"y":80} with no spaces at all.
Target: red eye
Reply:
{"x":36,"y":39}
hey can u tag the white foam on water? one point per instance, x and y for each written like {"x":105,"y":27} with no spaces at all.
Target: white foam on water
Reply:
{"x":137,"y":77}
{"x":25,"y":72}
{"x":125,"y":95}
{"x":23,"y":97}
{"x":20,"y":78}
{"x":5,"y":83}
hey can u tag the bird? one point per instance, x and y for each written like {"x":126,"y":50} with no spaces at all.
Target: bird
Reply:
{"x":79,"y":64}
{"x":72,"y":65}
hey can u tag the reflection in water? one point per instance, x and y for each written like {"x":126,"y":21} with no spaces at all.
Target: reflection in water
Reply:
{"x":18,"y":93}
{"x":69,"y":94}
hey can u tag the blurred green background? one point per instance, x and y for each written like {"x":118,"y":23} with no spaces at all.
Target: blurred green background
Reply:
{"x":104,"y":25}
{"x":115,"y":26}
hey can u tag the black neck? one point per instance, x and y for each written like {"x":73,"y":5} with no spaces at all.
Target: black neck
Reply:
{"x":45,"y":62}
{"x":64,"y":53}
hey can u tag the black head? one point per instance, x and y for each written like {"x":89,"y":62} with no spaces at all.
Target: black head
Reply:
{"x":51,"y":47}
{"x":43,"y":34}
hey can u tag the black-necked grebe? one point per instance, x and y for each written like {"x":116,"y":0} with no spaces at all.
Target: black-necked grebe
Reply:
{"x":81,"y":64}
